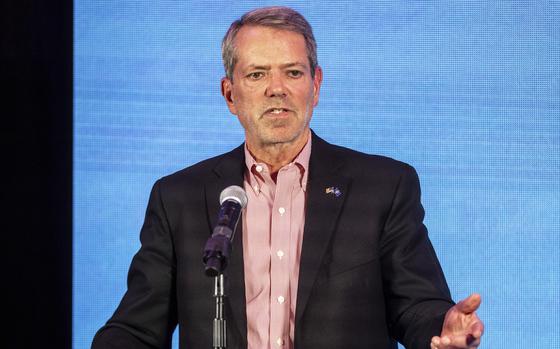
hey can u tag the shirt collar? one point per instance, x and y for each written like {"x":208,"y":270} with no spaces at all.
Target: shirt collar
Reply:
{"x":301,"y":161}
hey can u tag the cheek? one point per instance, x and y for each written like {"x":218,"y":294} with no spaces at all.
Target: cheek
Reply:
{"x":248,"y":90}
{"x":305,"y":91}
{"x":244,"y":99}
{"x":308,"y":98}
{"x":245,"y":114}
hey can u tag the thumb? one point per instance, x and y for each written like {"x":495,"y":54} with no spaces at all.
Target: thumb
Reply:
{"x":469,"y":304}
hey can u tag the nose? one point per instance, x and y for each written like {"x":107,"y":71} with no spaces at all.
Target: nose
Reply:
{"x":276,"y":86}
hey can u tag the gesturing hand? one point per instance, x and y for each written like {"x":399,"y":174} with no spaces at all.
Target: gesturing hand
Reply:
{"x":461,"y":328}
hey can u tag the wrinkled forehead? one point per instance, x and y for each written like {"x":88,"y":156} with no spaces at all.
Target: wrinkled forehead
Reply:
{"x":260,"y":45}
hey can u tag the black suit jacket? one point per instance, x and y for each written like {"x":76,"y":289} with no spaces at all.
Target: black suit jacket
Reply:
{"x":368,"y":272}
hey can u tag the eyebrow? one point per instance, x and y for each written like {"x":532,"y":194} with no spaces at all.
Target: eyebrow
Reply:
{"x":283,"y":66}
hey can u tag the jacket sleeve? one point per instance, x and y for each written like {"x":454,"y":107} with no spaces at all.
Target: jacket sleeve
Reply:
{"x":415,"y":288}
{"x":147,"y":315}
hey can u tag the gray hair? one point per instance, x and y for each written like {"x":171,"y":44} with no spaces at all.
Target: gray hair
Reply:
{"x":275,"y":17}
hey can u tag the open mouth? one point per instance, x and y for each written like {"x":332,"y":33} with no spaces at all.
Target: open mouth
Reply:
{"x":276,"y":111}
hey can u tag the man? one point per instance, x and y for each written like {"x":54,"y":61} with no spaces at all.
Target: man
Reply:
{"x":332,"y":252}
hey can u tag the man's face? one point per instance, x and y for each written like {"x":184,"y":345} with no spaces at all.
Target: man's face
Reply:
{"x":272,"y":92}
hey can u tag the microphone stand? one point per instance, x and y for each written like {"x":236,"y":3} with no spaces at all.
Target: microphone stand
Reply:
{"x":216,"y":255}
{"x":219,"y":330}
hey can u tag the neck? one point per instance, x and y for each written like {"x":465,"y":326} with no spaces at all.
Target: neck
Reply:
{"x":277,"y":155}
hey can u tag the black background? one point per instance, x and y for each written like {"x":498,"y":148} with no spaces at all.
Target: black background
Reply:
{"x":36,"y":75}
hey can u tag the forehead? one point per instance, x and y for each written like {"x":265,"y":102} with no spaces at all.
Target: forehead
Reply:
{"x":259,"y":45}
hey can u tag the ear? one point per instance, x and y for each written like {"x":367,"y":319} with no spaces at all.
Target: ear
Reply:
{"x":227,"y":87}
{"x":317,"y":80}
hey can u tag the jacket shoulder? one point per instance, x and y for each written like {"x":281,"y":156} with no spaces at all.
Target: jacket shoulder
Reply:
{"x":357,"y":161}
{"x":201,"y":172}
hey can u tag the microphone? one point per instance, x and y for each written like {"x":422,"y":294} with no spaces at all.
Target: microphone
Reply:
{"x":218,"y":247}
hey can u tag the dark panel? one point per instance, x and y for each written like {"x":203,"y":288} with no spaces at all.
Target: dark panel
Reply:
{"x":36,"y":109}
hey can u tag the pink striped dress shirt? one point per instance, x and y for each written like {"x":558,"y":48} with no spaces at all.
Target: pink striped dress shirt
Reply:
{"x":272,"y":237}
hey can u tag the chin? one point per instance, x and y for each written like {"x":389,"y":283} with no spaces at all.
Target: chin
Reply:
{"x":281,"y":137}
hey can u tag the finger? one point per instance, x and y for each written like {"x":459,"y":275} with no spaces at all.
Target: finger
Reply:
{"x":469,"y":304}
{"x":472,"y":342}
{"x":464,"y":342}
{"x":436,"y":341}
{"x":477,"y":329}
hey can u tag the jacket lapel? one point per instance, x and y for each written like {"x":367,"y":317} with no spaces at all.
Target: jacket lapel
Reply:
{"x":230,"y":172}
{"x":327,"y":190}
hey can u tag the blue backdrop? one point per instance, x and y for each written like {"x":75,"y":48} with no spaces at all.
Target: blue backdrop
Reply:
{"x":465,"y":91}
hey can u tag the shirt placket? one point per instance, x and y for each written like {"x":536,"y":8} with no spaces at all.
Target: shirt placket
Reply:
{"x":260,"y":195}
{"x":280,"y":257}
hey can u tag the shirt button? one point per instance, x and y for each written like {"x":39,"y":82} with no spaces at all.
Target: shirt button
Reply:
{"x":281,"y":210}
{"x":280,"y":342}
{"x":256,"y":187}
{"x":281,"y":299}
{"x":280,"y":254}
{"x":259,"y":168}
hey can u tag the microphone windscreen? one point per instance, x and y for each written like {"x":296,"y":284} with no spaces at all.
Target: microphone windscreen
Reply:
{"x":236,"y":193}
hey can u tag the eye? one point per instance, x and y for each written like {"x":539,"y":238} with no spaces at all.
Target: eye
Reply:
{"x":255,"y":75}
{"x":295,"y":73}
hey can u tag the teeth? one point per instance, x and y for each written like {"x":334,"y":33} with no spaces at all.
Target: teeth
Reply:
{"x":277,"y":111}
